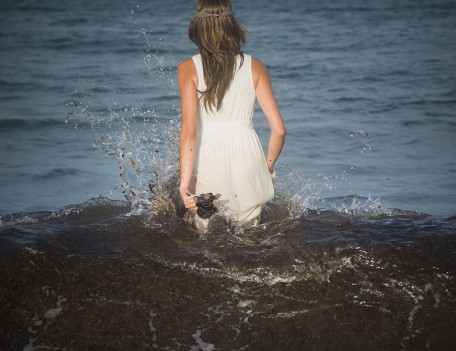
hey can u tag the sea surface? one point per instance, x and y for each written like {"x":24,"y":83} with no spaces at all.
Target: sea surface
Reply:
{"x":356,"y":251}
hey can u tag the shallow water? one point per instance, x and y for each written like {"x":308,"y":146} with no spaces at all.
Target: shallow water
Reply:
{"x":323,"y":280}
{"x":357,"y":250}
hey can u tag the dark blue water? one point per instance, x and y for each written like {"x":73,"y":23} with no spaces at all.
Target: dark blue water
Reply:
{"x":367,"y":91}
{"x":89,"y":119}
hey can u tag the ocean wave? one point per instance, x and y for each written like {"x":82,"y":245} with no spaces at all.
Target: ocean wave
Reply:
{"x":40,"y":6}
{"x":284,"y":284}
{"x":94,"y":210}
{"x":17,"y":86}
{"x":12,"y":124}
{"x":57,"y":173}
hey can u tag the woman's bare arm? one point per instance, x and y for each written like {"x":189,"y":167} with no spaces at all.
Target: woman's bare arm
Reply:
{"x":268,"y":103}
{"x":188,"y":82}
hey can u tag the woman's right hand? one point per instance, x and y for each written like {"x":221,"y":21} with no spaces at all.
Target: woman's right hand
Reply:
{"x":188,"y":200}
{"x":273,"y":174}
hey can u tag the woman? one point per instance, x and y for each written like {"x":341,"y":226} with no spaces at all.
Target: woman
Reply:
{"x":219,"y":150}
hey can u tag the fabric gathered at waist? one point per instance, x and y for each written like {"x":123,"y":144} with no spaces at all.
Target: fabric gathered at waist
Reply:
{"x":225,"y":126}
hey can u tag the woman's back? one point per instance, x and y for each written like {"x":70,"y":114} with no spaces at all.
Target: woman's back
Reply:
{"x":239,"y":100}
{"x":220,"y":151}
{"x":229,"y":156}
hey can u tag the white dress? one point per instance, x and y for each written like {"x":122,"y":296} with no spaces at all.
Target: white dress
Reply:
{"x":229,"y":158}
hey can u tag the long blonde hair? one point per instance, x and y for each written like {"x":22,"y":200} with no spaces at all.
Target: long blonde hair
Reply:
{"x":219,"y":39}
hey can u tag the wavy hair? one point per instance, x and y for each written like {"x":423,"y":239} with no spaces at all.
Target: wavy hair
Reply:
{"x":219,"y":39}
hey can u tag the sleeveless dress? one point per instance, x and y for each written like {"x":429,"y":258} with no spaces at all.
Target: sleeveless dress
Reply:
{"x":229,"y":155}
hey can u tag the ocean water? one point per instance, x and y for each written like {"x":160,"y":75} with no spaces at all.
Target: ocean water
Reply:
{"x":367,"y":91}
{"x":357,"y":250}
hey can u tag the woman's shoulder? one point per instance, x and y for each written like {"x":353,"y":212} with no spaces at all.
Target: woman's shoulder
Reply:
{"x":187,"y":70}
{"x":190,"y":64}
{"x":257,"y":63}
{"x":258,"y":69}
{"x":187,"y":65}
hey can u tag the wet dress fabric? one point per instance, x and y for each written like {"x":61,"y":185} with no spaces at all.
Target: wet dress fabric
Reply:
{"x":230,"y":159}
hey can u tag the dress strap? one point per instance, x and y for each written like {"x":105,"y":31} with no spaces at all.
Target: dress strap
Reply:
{"x":199,"y":70}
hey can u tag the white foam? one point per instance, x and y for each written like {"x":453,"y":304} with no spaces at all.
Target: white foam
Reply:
{"x":246,"y":304}
{"x":291,"y":314}
{"x":152,"y":328}
{"x":200,"y":344}
{"x":29,"y":346}
{"x":346,"y":261}
{"x":236,"y":290}
{"x":54,"y":312}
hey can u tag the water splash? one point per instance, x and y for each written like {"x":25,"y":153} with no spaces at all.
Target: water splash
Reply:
{"x":143,"y":139}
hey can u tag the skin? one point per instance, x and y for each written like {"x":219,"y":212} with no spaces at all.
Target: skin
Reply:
{"x":188,"y":83}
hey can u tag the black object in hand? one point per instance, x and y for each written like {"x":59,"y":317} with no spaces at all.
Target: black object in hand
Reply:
{"x":205,"y":204}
